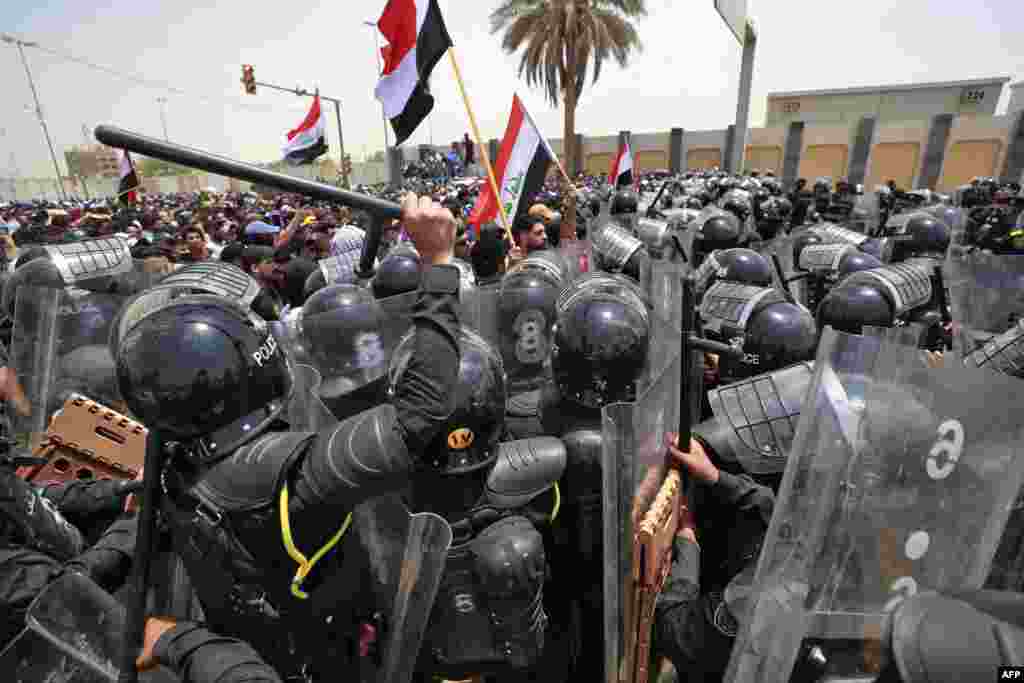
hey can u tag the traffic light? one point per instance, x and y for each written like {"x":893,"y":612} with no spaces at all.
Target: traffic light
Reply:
{"x":248,"y":79}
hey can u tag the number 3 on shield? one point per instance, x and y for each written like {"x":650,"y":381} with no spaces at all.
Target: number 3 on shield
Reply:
{"x":944,"y":455}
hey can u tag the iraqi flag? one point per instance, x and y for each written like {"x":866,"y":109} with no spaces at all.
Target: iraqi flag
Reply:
{"x":520,"y":170}
{"x":417,"y":39}
{"x":128,"y":186}
{"x":622,"y":169}
{"x":309,"y":140}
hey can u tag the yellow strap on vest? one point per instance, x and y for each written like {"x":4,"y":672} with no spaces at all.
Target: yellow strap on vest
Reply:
{"x":305,"y":566}
{"x":558,"y":503}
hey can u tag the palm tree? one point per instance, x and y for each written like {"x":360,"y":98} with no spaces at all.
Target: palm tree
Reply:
{"x":562,"y":41}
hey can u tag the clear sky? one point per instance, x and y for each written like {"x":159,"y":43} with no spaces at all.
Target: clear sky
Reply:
{"x":686,"y":76}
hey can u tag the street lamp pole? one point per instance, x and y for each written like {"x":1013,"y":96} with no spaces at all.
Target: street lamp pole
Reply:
{"x":39,"y":110}
{"x":163,"y":115}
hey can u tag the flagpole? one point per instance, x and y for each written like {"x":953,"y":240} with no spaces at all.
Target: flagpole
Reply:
{"x":479,"y":145}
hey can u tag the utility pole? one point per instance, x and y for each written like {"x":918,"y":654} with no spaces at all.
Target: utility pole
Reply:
{"x":163,"y":115}
{"x":11,"y":40}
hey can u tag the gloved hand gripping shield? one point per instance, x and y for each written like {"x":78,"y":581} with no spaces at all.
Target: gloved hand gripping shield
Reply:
{"x":899,"y":480}
{"x":633,"y":457}
{"x":59,"y":347}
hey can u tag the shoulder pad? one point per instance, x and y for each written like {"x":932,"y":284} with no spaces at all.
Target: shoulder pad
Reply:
{"x":91,"y":259}
{"x":524,"y":470}
{"x":215,"y":277}
{"x":251,"y":477}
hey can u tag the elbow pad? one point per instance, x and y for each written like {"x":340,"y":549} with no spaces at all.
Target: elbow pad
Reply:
{"x":357,"y":459}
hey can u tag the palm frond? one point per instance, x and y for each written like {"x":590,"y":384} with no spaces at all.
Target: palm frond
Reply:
{"x":550,"y":33}
{"x":509,"y":10}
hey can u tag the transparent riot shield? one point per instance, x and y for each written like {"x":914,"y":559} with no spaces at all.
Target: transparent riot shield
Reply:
{"x":75,"y":627}
{"x":479,"y":311}
{"x":307,"y":411}
{"x":633,"y":461}
{"x":348,"y":353}
{"x":986,"y":295}
{"x":407,"y":556}
{"x":900,"y":480}
{"x":909,"y":334}
{"x":59,"y":347}
{"x":30,"y":658}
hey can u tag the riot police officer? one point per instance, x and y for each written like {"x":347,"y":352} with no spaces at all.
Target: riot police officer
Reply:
{"x":601,"y":343}
{"x":233,"y":467}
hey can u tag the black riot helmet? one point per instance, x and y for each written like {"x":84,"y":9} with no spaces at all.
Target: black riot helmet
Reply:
{"x":202,"y":369}
{"x":208,"y":277}
{"x":601,"y":341}
{"x":398,"y":273}
{"x":468,"y":439}
{"x":744,"y":265}
{"x":733,"y":265}
{"x":924,"y":236}
{"x":721,"y":231}
{"x":624,"y":201}
{"x":852,"y":306}
{"x":341,"y":329}
{"x":526,"y":317}
{"x":780,"y":334}
{"x":854,"y":261}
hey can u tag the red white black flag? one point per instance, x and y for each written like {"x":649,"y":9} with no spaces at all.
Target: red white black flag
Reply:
{"x":622,"y":168}
{"x":417,"y":39}
{"x":309,"y":140}
{"x":519,"y":171}
{"x":126,"y":189}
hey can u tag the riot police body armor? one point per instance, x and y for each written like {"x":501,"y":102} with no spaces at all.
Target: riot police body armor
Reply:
{"x":733,"y":265}
{"x":489,"y":614}
{"x":618,"y":251}
{"x":893,"y":295}
{"x":600,"y":347}
{"x":243,"y":496}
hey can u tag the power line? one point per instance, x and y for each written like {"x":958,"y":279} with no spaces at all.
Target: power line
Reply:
{"x":152,"y":83}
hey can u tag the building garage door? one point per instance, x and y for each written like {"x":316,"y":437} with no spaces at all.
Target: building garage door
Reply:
{"x":651,"y":160}
{"x":703,"y":157}
{"x":968,"y":159}
{"x":823,"y":161}
{"x":599,"y":163}
{"x":764,"y":158}
{"x":893,"y":161}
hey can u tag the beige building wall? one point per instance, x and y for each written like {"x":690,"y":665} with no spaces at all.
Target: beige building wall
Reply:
{"x":888,"y":103}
